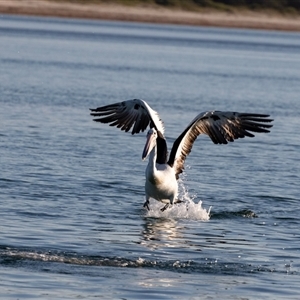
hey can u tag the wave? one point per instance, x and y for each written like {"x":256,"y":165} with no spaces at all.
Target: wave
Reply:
{"x":35,"y":260}
{"x":245,"y":213}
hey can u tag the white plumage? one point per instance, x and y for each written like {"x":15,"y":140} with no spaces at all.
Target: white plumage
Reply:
{"x":162,"y":171}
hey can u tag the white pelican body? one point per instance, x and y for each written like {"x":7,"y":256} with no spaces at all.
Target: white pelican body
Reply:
{"x":161,"y":183}
{"x":163,"y":171}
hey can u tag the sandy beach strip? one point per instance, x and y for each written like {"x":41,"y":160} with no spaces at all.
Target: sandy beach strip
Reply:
{"x":241,"y":19}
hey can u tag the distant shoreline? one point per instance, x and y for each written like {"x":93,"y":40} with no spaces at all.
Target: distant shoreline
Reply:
{"x":240,"y":19}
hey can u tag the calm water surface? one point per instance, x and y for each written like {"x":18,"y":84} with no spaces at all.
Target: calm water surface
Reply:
{"x":71,"y":190}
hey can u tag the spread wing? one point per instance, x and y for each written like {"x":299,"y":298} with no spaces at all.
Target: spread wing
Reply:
{"x":134,"y":113}
{"x":221,"y":127}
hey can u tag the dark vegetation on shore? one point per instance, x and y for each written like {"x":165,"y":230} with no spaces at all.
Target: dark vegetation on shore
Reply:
{"x":281,"y":6}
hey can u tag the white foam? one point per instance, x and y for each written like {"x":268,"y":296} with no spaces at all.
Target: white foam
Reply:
{"x":187,"y":209}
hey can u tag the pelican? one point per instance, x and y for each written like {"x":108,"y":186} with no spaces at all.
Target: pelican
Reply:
{"x":163,"y":171}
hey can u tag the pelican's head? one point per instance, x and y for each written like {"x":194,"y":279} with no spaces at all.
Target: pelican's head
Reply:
{"x":150,"y":143}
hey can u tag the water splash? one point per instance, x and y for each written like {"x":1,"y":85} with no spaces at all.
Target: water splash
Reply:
{"x":188,"y":209}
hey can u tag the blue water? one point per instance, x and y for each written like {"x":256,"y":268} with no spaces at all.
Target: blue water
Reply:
{"x":72,"y":190}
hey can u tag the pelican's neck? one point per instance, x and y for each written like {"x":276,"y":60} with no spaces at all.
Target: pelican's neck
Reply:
{"x":152,"y":159}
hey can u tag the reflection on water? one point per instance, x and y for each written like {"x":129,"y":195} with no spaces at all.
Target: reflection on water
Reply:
{"x":163,"y":232}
